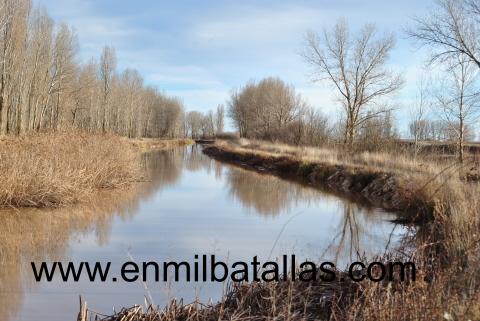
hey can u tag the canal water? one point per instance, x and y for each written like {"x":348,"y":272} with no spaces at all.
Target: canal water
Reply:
{"x":188,"y":205}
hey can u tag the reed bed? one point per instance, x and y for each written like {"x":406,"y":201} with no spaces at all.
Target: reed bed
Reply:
{"x":61,"y":168}
{"x":286,"y":300}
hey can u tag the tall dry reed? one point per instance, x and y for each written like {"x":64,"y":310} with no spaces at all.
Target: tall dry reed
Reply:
{"x":55,"y":169}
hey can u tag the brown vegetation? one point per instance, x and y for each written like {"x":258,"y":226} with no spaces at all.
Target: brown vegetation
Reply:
{"x":148,"y":144}
{"x":55,"y":169}
{"x":447,"y":245}
{"x":273,"y":110}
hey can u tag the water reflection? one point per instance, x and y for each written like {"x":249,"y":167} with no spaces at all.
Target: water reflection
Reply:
{"x":265,"y":194}
{"x":187,"y":203}
{"x":163,"y":169}
{"x":38,"y":235}
{"x":355,"y":232}
{"x":44,"y":235}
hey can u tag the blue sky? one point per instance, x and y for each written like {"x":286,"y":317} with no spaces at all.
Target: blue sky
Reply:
{"x":200,"y":50}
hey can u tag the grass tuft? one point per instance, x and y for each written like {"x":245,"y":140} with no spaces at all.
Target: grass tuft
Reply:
{"x":56,"y":169}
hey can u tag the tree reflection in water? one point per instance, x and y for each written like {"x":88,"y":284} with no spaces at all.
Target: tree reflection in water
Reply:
{"x":270,"y":196}
{"x":44,"y":235}
{"x":266,"y":194}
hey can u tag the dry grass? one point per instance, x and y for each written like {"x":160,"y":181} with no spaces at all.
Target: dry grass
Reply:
{"x":374,"y":161}
{"x":435,"y":295}
{"x":411,"y":193}
{"x":148,"y":144}
{"x":284,"y":300}
{"x":55,"y":169}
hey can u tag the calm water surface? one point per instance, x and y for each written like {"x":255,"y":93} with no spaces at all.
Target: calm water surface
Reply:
{"x":190,"y":205}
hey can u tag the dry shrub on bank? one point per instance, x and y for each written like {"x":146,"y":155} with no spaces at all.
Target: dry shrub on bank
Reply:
{"x":285,"y":300}
{"x":55,"y":169}
{"x":385,"y":161}
{"x":444,"y":296}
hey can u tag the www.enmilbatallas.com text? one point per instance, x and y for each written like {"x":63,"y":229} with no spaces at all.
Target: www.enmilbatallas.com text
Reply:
{"x":206,"y":268}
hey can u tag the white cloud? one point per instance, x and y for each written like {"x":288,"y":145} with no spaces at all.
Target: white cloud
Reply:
{"x":94,"y":29}
{"x":257,"y":27}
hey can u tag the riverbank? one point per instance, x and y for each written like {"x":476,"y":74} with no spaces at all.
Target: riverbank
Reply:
{"x":62,"y":168}
{"x":375,"y":180}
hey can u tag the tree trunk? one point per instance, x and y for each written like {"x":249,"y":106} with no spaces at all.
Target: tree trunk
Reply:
{"x":461,"y":140}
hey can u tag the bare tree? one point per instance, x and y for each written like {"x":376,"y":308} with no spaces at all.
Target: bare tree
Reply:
{"x":220,"y":119}
{"x":108,"y":63}
{"x":377,"y":133}
{"x":458,"y":97}
{"x":194,"y":124}
{"x":240,"y":108}
{"x":418,"y":124}
{"x":357,"y":69}
{"x":63,"y":70}
{"x":13,"y":37}
{"x":451,"y":29}
{"x":208,"y":125}
{"x":86,"y":91}
{"x":311,"y":129}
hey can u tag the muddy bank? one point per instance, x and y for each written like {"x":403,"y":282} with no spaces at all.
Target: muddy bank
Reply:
{"x":374,"y":188}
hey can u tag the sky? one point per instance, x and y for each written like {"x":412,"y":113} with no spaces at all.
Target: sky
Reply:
{"x":200,"y":51}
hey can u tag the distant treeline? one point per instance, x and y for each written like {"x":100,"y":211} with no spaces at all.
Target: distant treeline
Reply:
{"x":43,"y":87}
